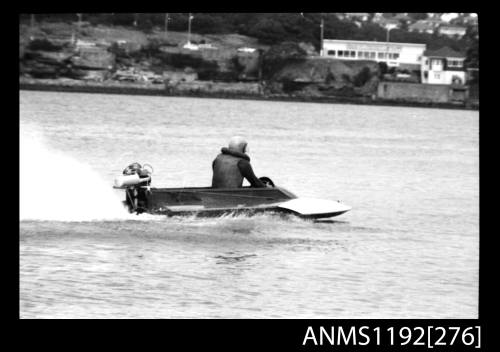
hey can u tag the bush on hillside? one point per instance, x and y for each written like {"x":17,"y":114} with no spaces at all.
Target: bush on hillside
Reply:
{"x":362,"y":77}
{"x":44,"y":45}
{"x":280,"y":55}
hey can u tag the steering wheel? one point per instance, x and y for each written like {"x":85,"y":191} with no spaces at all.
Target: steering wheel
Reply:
{"x":267,"y":181}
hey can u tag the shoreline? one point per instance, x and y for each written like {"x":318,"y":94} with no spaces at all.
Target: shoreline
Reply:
{"x":160,"y":90}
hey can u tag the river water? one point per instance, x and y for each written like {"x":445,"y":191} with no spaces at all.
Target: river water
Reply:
{"x":409,"y":248}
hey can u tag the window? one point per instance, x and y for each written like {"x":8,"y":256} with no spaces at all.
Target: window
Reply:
{"x":360,"y":54}
{"x":395,"y":56}
{"x":372,"y":55}
{"x":437,"y":75}
{"x":454,"y":63}
{"x":366,"y":54}
{"x":353,"y":54}
{"x":331,"y":52}
{"x":436,"y":62}
{"x":380,"y":55}
{"x":426,"y":74}
{"x":426,"y":62}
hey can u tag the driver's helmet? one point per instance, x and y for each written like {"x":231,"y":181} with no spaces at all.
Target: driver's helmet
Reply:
{"x":238,"y":144}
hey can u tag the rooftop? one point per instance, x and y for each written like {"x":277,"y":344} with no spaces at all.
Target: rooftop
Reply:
{"x":402,"y":17}
{"x":421,"y":25}
{"x":356,"y":14}
{"x":443,"y":52}
{"x":393,"y":20}
{"x":457,"y":28}
{"x":371,"y":42}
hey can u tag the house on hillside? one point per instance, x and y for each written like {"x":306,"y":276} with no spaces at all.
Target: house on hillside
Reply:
{"x":452,"y":31}
{"x":403,"y":18}
{"x":466,"y":19}
{"x":435,"y":22}
{"x":470,"y":19}
{"x":388,"y":22}
{"x":450,"y":16}
{"x":426,"y":26}
{"x":357,"y":16}
{"x":191,"y":46}
{"x":443,"y":66}
{"x":421,"y":27}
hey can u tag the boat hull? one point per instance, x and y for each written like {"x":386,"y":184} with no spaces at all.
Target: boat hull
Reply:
{"x":207,"y":201}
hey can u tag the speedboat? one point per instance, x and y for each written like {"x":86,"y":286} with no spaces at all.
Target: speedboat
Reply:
{"x":140,"y":197}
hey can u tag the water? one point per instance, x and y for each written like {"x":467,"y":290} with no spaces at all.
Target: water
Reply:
{"x":408,"y":249}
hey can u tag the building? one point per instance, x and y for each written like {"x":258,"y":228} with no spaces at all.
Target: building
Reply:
{"x":403,"y":18}
{"x":465,"y":19}
{"x":421,"y":27}
{"x":389,"y":23}
{"x":452,"y":31}
{"x":470,"y":19}
{"x":443,"y":66}
{"x":450,"y":16}
{"x":360,"y":16}
{"x":403,"y":55}
{"x":426,"y":26}
{"x":191,"y":46}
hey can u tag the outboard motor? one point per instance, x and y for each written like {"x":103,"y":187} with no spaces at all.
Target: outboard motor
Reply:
{"x":136,"y":180}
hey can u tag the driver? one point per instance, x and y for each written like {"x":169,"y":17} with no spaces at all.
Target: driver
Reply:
{"x":232,"y":165}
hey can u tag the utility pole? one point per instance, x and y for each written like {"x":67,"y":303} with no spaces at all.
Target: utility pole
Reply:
{"x":189,"y":28}
{"x":32,"y":26}
{"x":322,"y":25}
{"x":79,"y":21}
{"x":166,"y":24}
{"x":387,"y":44}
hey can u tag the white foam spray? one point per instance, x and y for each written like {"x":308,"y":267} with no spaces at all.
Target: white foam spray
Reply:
{"x":54,"y":186}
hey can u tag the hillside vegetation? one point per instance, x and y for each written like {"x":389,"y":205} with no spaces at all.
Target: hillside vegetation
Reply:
{"x":135,"y":48}
{"x":269,"y":28}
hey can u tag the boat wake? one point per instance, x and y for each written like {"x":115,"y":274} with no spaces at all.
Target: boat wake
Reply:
{"x":55,"y":186}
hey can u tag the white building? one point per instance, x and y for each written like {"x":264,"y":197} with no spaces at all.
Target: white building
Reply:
{"x":452,"y":31}
{"x":426,"y":26}
{"x":191,"y":46}
{"x":443,"y":66}
{"x":404,"y":55}
{"x":361,"y":16}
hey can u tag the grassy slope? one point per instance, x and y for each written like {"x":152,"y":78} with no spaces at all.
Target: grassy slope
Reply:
{"x":111,"y":34}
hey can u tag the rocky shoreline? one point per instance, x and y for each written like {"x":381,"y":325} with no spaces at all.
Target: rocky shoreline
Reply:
{"x":129,"y":88}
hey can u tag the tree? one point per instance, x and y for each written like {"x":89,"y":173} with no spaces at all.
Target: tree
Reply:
{"x":416,"y":16}
{"x":268,"y":31}
{"x":472,"y":56}
{"x":279,"y":55}
{"x":210,"y":23}
{"x":362,"y":77}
